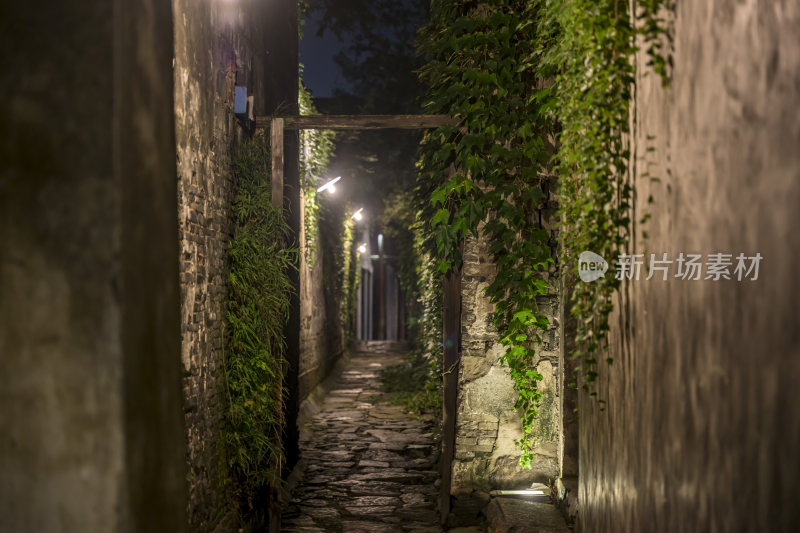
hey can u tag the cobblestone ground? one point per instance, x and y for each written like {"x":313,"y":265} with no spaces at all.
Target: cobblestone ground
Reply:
{"x":370,"y":467}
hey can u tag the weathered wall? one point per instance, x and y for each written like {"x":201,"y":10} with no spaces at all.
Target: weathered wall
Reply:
{"x":313,"y":348}
{"x":218,"y":45}
{"x":322,"y":289}
{"x":701,"y":430}
{"x":486,"y":457}
{"x":91,"y":432}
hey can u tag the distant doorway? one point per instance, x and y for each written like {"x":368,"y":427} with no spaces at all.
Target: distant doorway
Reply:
{"x":380,"y":313}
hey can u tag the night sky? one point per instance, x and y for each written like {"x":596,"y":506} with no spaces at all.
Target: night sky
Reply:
{"x":320,"y":74}
{"x":372,"y":164}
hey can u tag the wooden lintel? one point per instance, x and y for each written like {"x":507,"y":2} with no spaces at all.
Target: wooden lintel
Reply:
{"x":360,"y":122}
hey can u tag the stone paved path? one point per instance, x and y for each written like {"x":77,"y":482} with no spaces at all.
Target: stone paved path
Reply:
{"x":369,"y":466}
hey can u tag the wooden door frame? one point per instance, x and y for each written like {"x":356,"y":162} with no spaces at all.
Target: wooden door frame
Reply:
{"x":278,"y":125}
{"x":451,"y":357}
{"x":451,"y":319}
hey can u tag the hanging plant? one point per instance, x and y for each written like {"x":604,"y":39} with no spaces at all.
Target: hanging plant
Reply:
{"x":525,"y":77}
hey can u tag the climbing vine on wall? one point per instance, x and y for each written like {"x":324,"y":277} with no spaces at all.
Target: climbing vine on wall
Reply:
{"x":427,"y":330}
{"x":588,"y":48}
{"x":491,"y":168}
{"x":338,"y":270}
{"x":349,"y":274}
{"x":257,"y":310}
{"x":515,"y":72}
{"x":421,"y":376}
{"x":316,"y":149}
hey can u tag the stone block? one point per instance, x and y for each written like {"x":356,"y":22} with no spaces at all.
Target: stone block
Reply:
{"x":473,"y":367}
{"x":486,"y":393}
{"x":512,"y":515}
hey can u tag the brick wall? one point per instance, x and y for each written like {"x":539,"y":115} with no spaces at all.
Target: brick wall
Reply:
{"x":217,"y":45}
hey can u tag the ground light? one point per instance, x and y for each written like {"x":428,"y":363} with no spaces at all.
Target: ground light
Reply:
{"x":358,"y":215}
{"x":329,"y":186}
{"x":517,"y":493}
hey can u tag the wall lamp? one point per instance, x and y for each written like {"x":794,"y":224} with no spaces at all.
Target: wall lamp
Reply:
{"x":358,"y":215}
{"x":363,"y":248}
{"x":329,"y":186}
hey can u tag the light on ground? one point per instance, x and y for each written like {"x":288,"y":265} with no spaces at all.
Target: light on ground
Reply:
{"x":517,"y":493}
{"x":358,"y":215}
{"x":329,"y":186}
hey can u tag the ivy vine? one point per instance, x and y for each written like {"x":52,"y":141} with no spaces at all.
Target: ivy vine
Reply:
{"x":481,"y":69}
{"x":421,"y":375}
{"x":316,"y":150}
{"x":539,"y":86}
{"x":348,"y":270}
{"x":588,"y":47}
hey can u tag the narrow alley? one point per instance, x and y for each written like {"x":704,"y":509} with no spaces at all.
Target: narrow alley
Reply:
{"x":360,"y":266}
{"x":368,"y":466}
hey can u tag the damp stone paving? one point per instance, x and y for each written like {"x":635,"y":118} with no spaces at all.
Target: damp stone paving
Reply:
{"x":368,"y":465}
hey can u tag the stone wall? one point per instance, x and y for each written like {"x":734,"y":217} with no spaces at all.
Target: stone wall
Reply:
{"x":91,"y":429}
{"x":486,"y":457}
{"x":218,"y":45}
{"x":701,"y":429}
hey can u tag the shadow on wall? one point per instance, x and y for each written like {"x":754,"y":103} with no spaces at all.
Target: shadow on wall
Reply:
{"x":701,"y":428}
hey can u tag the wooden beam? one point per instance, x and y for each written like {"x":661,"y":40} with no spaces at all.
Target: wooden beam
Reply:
{"x":451,"y":333}
{"x":276,"y":146}
{"x":360,"y":122}
{"x":276,"y":178}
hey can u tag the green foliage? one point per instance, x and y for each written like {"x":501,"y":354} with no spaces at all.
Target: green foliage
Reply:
{"x":348,"y":269}
{"x":424,"y":362}
{"x":425,"y":325}
{"x":419,"y":379}
{"x":339,"y":270}
{"x":514,"y":72}
{"x":491,"y":168}
{"x":257,"y":310}
{"x":397,"y":218}
{"x":316,"y":149}
{"x":412,"y":385}
{"x":588,"y":46}
{"x":376,"y":62}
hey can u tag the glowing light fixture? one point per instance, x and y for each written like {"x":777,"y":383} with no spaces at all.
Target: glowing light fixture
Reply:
{"x":329,"y":186}
{"x":358,"y":215}
{"x":363,"y":248}
{"x":517,"y":493}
